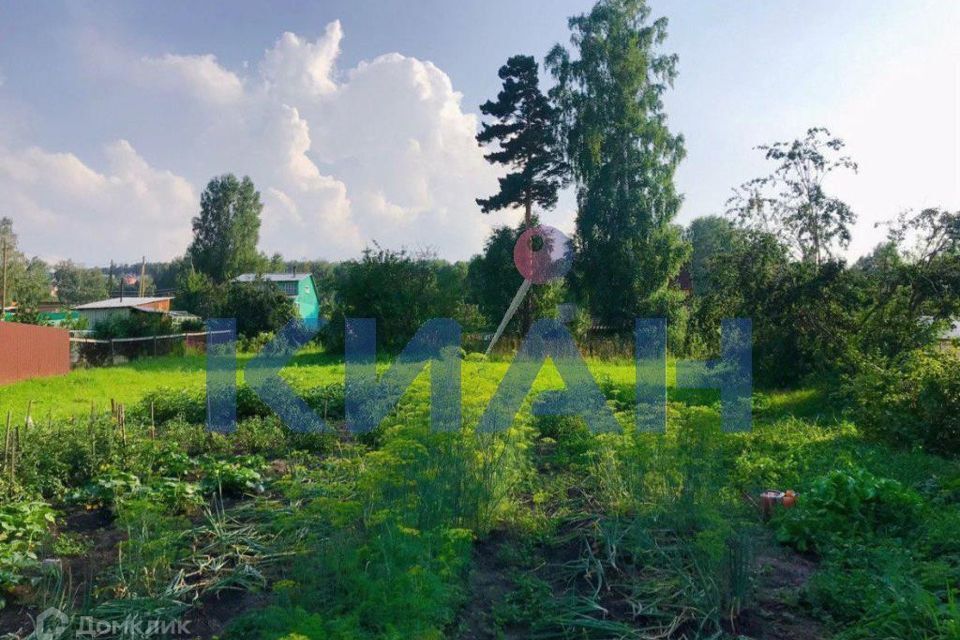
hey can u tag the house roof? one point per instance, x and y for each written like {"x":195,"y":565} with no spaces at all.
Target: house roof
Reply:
{"x":952,"y":332}
{"x":121,"y":303}
{"x":272,"y":277}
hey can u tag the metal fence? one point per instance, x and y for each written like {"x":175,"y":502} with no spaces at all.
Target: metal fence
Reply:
{"x":99,"y":353}
{"x":28,"y":351}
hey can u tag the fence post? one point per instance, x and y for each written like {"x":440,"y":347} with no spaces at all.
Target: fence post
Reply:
{"x":111,"y":352}
{"x":154,"y":345}
{"x":6,"y":441}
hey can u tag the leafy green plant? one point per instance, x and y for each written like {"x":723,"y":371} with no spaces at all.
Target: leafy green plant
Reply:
{"x":107,"y":489}
{"x":848,"y":506}
{"x":23,"y":527}
{"x":231,"y":478}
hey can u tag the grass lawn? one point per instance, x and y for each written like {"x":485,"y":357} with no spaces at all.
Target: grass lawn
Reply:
{"x":72,"y":394}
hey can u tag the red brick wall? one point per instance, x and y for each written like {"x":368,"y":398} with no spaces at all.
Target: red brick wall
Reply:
{"x":28,"y":351}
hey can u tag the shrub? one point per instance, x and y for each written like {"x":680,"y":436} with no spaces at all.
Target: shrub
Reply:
{"x":191,"y":326}
{"x":170,"y":404}
{"x":258,"y":307}
{"x":913,"y":403}
{"x":136,"y":325}
{"x":400,"y":290}
{"x":255,"y":343}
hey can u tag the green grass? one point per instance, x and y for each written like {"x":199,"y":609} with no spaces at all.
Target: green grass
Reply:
{"x":71,"y":395}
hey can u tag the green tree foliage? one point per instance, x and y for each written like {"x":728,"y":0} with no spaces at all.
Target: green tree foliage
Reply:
{"x":804,"y":318}
{"x":493,"y":281}
{"x":197,"y":294}
{"x":913,"y":401}
{"x":135,"y":325}
{"x":623,"y":158}
{"x":792,"y":201}
{"x":259,"y":307}
{"x":78,"y":285}
{"x":160,"y":276}
{"x":401,"y":291}
{"x":708,"y":237}
{"x":225,"y":233}
{"x":28,"y":279}
{"x":524,"y":130}
{"x":325,"y":278}
{"x":21,"y":283}
{"x":910,"y":284}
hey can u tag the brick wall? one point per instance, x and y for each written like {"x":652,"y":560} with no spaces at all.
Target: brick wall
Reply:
{"x":28,"y":351}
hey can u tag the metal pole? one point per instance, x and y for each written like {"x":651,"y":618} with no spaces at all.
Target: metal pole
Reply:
{"x":517,"y":299}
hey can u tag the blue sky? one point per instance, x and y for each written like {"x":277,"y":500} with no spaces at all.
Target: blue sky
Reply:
{"x":114,"y":114}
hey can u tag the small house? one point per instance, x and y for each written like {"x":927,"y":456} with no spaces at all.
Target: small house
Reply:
{"x":95,"y":312}
{"x":299,"y":287}
{"x":950,"y":337}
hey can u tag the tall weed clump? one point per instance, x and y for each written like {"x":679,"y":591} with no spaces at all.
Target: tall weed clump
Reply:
{"x":664,"y":543}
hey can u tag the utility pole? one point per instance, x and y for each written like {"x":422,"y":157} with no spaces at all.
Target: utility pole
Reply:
{"x":143,"y":272}
{"x":3,"y":298}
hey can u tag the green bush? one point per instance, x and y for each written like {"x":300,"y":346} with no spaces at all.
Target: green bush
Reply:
{"x":912,"y":403}
{"x":845,"y":507}
{"x":259,"y":307}
{"x":137,"y":325}
{"x":400,"y":290}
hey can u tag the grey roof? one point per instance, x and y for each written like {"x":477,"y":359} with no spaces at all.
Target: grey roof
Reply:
{"x":272,"y":277}
{"x":120,"y":303}
{"x":951,"y":333}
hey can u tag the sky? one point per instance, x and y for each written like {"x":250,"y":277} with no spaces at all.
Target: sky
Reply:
{"x":356,"y":119}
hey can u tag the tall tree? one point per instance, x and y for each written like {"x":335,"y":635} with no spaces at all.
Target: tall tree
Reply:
{"x":226,"y":232}
{"x":78,"y":285}
{"x":524,"y":130}
{"x":623,"y":158}
{"x":32,"y":288}
{"x":28,"y":279}
{"x":708,"y":236}
{"x":792,"y":202}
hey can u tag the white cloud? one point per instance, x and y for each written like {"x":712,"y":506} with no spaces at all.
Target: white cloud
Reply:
{"x":67,"y":208}
{"x":297,"y":69}
{"x":200,"y":75}
{"x":383,"y":151}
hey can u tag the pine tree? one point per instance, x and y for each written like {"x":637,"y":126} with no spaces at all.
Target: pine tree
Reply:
{"x":525,"y":131}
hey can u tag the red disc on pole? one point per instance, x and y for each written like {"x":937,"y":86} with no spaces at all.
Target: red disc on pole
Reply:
{"x":542,"y":254}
